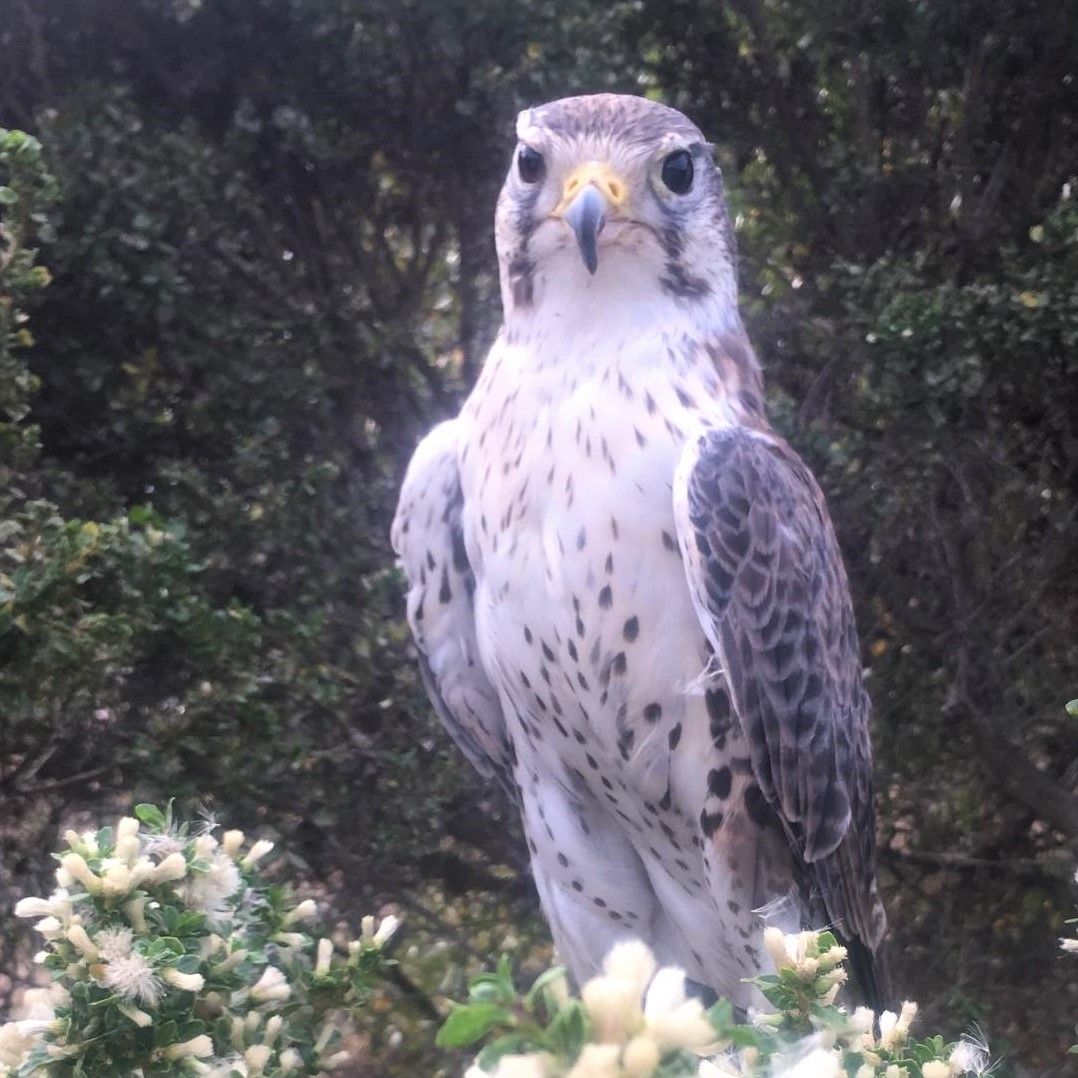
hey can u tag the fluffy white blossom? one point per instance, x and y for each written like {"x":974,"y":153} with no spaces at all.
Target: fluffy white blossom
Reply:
{"x":209,"y":891}
{"x":970,"y":1055}
{"x":133,"y":978}
{"x":114,"y":943}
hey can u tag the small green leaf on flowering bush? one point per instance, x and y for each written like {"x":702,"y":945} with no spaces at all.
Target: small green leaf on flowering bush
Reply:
{"x":567,"y":1032}
{"x":538,"y":991}
{"x":150,"y":815}
{"x":496,"y":987}
{"x":8,"y":197}
{"x":1072,"y":708}
{"x":509,"y":1044}
{"x":467,"y":1024}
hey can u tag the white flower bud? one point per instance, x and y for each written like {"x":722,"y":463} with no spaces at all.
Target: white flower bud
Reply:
{"x":63,"y":877}
{"x":273,"y":1029}
{"x":139,"y":1017}
{"x":127,"y":849}
{"x":136,"y":914}
{"x":232,"y":842}
{"x":257,"y":852}
{"x":256,"y":1057}
{"x":819,"y":1063}
{"x":291,"y":939}
{"x":75,"y":864}
{"x":185,"y":982}
{"x":117,"y":880}
{"x":935,"y":1068}
{"x":775,"y":945}
{"x":226,"y":965}
{"x":199,"y":1046}
{"x":595,"y":1061}
{"x":173,"y":867}
{"x":611,"y":1007}
{"x":1068,"y":944}
{"x":386,"y":930}
{"x":906,"y":1016}
{"x":35,"y":907}
{"x":290,"y":1060}
{"x":271,"y":987}
{"x":204,"y":846}
{"x":324,"y":956}
{"x":128,"y":827}
{"x":305,"y":911}
{"x":630,"y":961}
{"x":640,"y":1058}
{"x":50,"y":928}
{"x":832,"y":958}
{"x":78,"y":936}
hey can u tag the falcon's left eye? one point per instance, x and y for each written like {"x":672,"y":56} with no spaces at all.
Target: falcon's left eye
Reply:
{"x":530,"y":164}
{"x":678,"y":172}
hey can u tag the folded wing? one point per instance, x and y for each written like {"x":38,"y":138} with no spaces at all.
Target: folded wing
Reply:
{"x":429,"y":544}
{"x":770,"y":588}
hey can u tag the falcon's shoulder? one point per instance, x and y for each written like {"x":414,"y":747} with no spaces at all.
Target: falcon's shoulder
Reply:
{"x":770,"y":588}
{"x":428,"y":539}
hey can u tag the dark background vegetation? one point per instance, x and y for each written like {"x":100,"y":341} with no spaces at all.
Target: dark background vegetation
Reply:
{"x":273,"y":269}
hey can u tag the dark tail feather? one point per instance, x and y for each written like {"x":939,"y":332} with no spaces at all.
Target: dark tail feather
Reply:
{"x":871,"y":974}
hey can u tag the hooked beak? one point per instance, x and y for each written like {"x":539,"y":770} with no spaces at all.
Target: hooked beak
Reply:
{"x":591,"y":194}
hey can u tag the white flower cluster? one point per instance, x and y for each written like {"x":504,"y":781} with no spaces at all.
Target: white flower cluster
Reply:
{"x":637,"y":1017}
{"x":822,"y":972}
{"x":107,"y":928}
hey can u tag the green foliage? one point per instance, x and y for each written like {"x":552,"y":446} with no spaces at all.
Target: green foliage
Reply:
{"x":170,"y":951}
{"x":27,"y":191}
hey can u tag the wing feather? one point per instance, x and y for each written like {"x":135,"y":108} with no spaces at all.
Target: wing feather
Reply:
{"x":771,"y":590}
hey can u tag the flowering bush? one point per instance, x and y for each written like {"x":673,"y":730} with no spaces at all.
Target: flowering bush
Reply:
{"x":170,"y":953}
{"x":634,"y":1021}
{"x":1070,"y":943}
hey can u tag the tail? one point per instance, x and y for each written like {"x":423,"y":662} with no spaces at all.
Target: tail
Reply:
{"x":871,"y":974}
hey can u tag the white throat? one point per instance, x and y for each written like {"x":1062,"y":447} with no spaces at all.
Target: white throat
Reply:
{"x":619,"y":311}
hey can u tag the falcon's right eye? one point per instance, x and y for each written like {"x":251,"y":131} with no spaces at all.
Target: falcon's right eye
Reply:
{"x":530,"y":165}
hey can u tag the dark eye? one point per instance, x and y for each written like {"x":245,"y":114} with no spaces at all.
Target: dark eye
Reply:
{"x":678,"y":172}
{"x":530,"y":163}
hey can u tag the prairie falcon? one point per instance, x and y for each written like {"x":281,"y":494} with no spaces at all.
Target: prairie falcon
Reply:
{"x":625,"y":589}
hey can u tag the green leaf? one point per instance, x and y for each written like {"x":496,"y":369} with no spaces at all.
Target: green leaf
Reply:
{"x":538,"y":989}
{"x":468,"y":1023}
{"x":150,"y":815}
{"x":566,"y":1033}
{"x":1072,"y":708}
{"x":8,"y":197}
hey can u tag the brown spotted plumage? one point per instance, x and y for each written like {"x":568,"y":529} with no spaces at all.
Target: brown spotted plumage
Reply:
{"x":625,"y":589}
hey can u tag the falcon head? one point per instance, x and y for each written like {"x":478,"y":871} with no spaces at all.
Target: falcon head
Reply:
{"x":612,"y":193}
